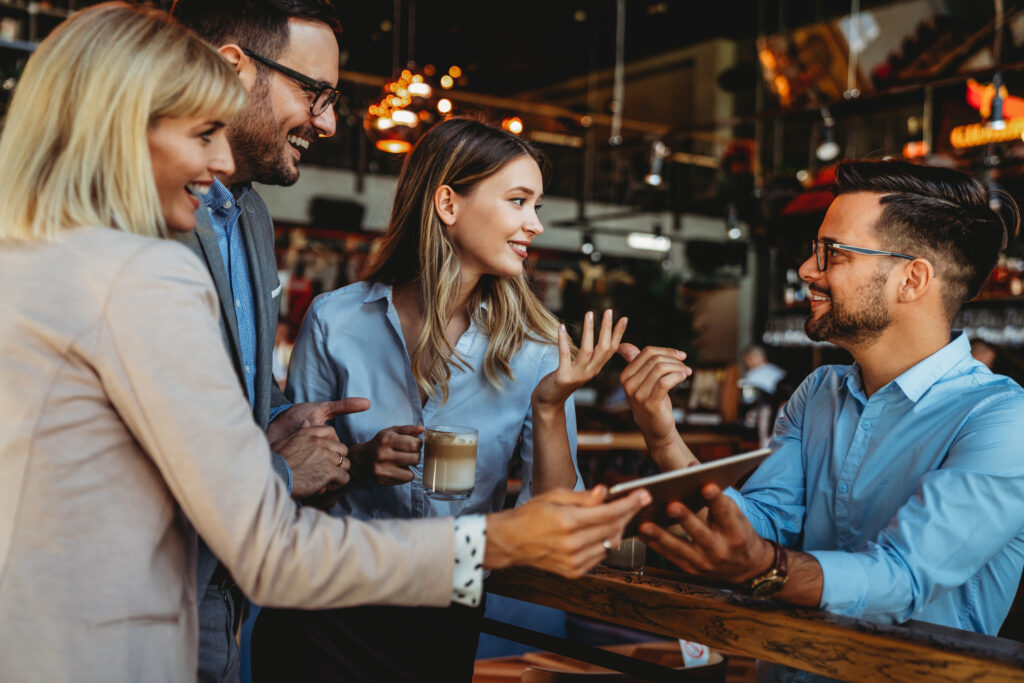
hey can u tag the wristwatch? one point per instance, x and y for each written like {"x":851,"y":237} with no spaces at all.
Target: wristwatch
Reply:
{"x":768,"y":585}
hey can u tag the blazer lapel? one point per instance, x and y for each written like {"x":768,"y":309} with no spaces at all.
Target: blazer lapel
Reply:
{"x":203,"y":241}
{"x":258,"y":238}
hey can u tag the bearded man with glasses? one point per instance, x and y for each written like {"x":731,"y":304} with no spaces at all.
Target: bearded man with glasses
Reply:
{"x":286,"y":54}
{"x":896,"y":489}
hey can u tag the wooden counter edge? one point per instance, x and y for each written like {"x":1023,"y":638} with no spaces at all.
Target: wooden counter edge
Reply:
{"x":808,"y":639}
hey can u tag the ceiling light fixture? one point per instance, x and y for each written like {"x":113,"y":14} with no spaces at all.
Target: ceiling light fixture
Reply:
{"x":828,"y":150}
{"x":647,"y":242}
{"x":659,"y":151}
{"x":407,"y":106}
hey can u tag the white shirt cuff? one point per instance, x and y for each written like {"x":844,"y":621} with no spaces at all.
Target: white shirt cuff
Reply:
{"x":468,"y":578}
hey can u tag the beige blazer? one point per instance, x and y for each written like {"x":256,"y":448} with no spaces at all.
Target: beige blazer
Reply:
{"x":120,"y":416}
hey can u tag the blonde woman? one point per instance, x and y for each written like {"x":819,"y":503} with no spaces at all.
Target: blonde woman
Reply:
{"x":122,"y":427}
{"x":444,"y":331}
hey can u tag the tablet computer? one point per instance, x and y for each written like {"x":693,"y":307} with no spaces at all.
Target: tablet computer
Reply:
{"x":684,"y":485}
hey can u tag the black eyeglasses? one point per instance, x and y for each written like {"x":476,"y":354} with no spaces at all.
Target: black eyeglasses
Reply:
{"x":324,"y":95}
{"x":822,"y":248}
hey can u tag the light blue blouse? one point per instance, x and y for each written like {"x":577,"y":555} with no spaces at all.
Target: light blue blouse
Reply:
{"x":351,"y":344}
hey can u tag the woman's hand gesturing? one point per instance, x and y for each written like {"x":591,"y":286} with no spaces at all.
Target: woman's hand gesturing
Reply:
{"x":557,"y":386}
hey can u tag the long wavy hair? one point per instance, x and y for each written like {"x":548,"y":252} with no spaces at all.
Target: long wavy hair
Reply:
{"x":74,"y":149}
{"x":417,"y":249}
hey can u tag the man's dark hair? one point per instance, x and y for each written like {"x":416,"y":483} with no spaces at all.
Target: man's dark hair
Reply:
{"x":257,"y":25}
{"x":937,"y":214}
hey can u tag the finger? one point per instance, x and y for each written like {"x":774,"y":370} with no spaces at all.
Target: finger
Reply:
{"x":575,"y":498}
{"x":641,"y":359}
{"x":680,"y":552}
{"x":564,"y":349}
{"x":328,"y":410}
{"x":619,"y":332}
{"x":611,"y":335}
{"x":604,"y":338}
{"x":588,"y":559}
{"x":658,"y":376}
{"x":579,"y":563}
{"x":320,"y":431}
{"x":591,"y":536}
{"x":695,"y":527}
{"x":628,"y":351}
{"x":618,"y":511}
{"x":338,"y":477}
{"x":403,"y":459}
{"x":723,"y":510}
{"x":404,"y":444}
{"x":587,"y":340}
{"x":410,"y":430}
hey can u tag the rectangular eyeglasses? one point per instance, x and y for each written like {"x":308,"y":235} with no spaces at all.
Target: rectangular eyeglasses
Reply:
{"x":822,"y":249}
{"x":324,"y":95}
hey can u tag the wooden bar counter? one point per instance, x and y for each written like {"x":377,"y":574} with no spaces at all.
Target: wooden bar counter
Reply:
{"x":813,"y":640}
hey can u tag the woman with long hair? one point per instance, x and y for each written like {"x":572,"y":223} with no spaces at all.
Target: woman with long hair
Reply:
{"x":444,"y":330}
{"x":123,"y":429}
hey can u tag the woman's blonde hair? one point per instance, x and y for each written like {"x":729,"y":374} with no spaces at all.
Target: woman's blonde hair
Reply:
{"x":416,"y":248}
{"x":74,"y":148}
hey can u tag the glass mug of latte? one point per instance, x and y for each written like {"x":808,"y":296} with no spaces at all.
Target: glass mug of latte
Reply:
{"x":449,"y":462}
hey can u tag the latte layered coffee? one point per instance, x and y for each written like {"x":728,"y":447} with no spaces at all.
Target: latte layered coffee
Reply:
{"x":449,"y":462}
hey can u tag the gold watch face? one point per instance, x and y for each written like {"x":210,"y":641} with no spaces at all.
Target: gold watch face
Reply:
{"x":768,"y":586}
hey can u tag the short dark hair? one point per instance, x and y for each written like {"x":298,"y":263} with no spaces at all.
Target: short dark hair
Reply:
{"x":939,"y":214}
{"x":257,"y":25}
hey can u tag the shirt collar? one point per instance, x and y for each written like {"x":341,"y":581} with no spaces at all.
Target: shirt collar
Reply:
{"x":379,"y":290}
{"x":919,"y":379}
{"x":219,"y":195}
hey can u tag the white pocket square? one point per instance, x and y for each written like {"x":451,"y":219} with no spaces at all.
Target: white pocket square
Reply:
{"x":276,"y":292}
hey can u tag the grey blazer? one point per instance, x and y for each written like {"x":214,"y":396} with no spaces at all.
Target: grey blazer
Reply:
{"x":258,"y":238}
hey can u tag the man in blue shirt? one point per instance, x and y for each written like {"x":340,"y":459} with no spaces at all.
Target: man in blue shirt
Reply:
{"x":896,"y":490}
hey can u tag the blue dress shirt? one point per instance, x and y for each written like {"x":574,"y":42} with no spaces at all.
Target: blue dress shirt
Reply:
{"x":351,"y":344}
{"x":224,"y":211}
{"x":912,"y":499}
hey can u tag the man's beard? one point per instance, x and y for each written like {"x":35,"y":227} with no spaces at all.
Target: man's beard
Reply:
{"x":260,"y":153}
{"x":852,"y":328}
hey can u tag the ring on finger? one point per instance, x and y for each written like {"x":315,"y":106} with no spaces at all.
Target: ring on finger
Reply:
{"x":341,"y":460}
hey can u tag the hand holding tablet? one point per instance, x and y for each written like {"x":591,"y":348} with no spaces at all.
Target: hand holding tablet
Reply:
{"x":684,"y":485}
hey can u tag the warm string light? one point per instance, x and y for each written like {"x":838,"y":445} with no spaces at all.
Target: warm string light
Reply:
{"x":404,"y":112}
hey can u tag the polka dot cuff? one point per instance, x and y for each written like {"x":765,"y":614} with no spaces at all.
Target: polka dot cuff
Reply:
{"x":468,"y":579}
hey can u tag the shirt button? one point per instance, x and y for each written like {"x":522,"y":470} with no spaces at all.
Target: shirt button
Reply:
{"x":867,"y":426}
{"x":238,"y":303}
{"x":843,"y":488}
{"x":247,"y":370}
{"x":227,"y":204}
